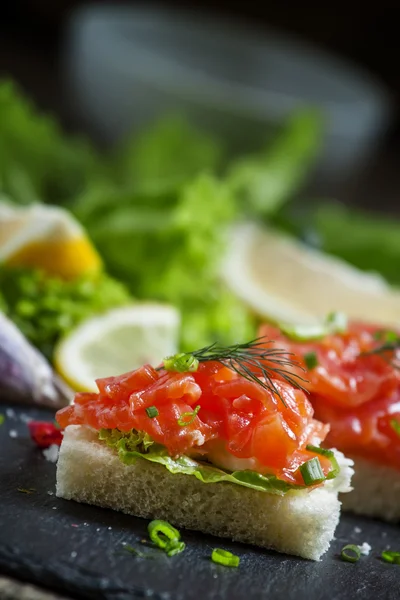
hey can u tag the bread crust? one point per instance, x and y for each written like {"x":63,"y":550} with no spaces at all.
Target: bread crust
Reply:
{"x":376,"y":491}
{"x":297,"y":523}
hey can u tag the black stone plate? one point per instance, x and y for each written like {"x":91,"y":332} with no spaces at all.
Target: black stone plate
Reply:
{"x":78,"y":549}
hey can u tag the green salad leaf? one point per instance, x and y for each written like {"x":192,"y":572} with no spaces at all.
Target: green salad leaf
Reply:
{"x":168,"y":154}
{"x":269,"y":179}
{"x":369,"y":241}
{"x":37,"y":161}
{"x":158,"y":208}
{"x":128,"y":453}
{"x":45,"y":308}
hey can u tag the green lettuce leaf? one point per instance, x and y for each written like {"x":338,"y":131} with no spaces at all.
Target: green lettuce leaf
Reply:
{"x":266,"y":181}
{"x":166,"y":155}
{"x":130,"y":447}
{"x":37,"y":161}
{"x":369,"y":241}
{"x":45,"y":308}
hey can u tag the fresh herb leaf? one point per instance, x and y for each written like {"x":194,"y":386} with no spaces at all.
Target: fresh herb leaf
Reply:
{"x":129,"y":452}
{"x":26,"y":490}
{"x":2,"y":419}
{"x":253,"y":357}
{"x":45,"y":308}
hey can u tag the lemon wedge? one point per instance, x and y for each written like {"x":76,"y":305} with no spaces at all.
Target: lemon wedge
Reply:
{"x":285,"y":281}
{"x":45,"y":237}
{"x":117,"y":341}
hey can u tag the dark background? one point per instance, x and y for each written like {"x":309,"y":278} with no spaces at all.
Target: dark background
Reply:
{"x":31,"y":34}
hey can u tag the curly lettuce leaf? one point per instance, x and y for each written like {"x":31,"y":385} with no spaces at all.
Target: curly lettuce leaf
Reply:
{"x":45,"y":308}
{"x":130,"y":447}
{"x":168,"y":154}
{"x":179,"y":240}
{"x":37,"y":161}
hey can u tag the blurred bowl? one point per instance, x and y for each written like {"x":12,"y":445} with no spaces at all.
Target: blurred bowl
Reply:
{"x":127,"y":66}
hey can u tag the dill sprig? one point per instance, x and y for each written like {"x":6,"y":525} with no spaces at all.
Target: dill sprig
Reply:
{"x":251,"y":360}
{"x":386,"y":351}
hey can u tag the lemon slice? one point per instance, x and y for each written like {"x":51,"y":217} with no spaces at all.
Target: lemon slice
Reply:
{"x":46,"y":237}
{"x":117,"y":341}
{"x":285,"y":281}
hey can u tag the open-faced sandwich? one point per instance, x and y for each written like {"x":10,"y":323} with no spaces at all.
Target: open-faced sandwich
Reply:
{"x":354,"y":383}
{"x":221,"y":440}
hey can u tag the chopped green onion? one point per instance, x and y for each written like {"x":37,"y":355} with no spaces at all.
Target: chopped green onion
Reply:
{"x":152,"y":412}
{"x":312,"y":472}
{"x":26,"y":490}
{"x":166,"y":537}
{"x":394,"y":424}
{"x":391,"y":557}
{"x":350,"y":553}
{"x":311,"y":360}
{"x":2,"y":419}
{"x":174,"y":547}
{"x":223,"y":557}
{"x":182,"y":363}
{"x":187,"y":418}
{"x":328,"y":454}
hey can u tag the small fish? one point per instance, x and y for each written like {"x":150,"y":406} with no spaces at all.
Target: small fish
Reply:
{"x":25,"y":375}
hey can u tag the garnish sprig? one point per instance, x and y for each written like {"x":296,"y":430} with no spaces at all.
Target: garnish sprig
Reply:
{"x":251,"y":360}
{"x":387,"y":350}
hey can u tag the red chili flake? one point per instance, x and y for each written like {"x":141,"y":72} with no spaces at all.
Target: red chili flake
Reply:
{"x":74,"y":525}
{"x":44,"y":434}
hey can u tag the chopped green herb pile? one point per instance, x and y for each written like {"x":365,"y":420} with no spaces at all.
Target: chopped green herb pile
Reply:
{"x":44,"y":308}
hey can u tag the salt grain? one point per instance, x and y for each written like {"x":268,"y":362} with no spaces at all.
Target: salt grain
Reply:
{"x":357,"y":529}
{"x":74,"y":554}
{"x":13,"y":433}
{"x":365,"y":549}
{"x":98,"y":529}
{"x":10,"y":413}
{"x":25,"y":418}
{"x":50,"y":493}
{"x":51,"y":453}
{"x":54,"y":507}
{"x":110,"y":528}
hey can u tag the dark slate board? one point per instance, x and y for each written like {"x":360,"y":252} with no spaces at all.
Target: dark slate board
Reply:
{"x":77,"y":549}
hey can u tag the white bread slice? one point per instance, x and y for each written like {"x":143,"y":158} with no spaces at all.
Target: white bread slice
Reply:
{"x":376,"y":491}
{"x":301,"y":523}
